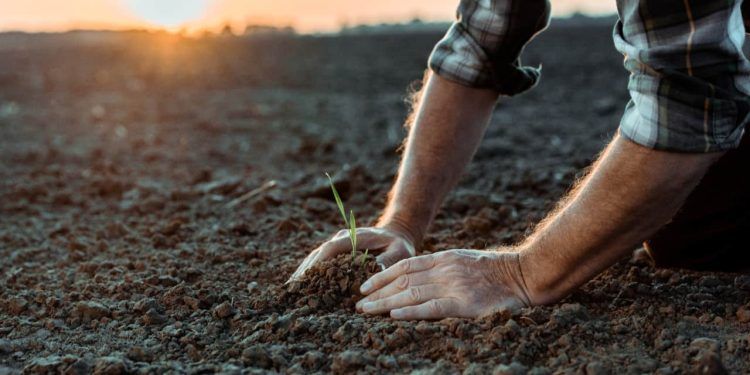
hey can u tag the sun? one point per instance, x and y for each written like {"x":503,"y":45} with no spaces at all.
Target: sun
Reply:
{"x":168,"y":13}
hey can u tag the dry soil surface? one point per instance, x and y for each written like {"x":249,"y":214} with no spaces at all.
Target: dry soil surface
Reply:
{"x":155,"y":194}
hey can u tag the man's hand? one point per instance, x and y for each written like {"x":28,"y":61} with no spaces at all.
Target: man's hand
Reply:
{"x":392,"y":245}
{"x":447,"y":127}
{"x":454,"y":283}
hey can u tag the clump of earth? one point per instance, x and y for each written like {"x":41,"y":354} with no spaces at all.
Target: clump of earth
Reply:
{"x":331,"y":284}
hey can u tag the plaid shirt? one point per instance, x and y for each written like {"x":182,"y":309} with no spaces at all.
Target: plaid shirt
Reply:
{"x":689,"y":80}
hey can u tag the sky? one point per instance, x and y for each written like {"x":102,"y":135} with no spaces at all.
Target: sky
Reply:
{"x":304,"y":15}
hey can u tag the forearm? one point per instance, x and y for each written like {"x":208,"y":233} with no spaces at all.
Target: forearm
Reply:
{"x":448,"y":126}
{"x":631,"y":192}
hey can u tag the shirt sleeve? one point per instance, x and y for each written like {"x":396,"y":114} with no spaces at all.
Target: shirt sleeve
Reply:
{"x":689,"y":80}
{"x":482,"y":48}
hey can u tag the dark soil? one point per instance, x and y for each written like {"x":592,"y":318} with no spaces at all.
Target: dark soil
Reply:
{"x":140,"y":231}
{"x":332,"y":284}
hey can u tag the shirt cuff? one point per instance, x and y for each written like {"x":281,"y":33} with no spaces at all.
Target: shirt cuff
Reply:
{"x":661,"y":123}
{"x":458,"y":58}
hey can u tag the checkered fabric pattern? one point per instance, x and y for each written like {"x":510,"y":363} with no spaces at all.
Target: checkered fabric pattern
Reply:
{"x":689,"y":79}
{"x":482,"y":48}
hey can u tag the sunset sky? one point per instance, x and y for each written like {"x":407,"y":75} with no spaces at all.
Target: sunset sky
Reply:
{"x":304,"y":15}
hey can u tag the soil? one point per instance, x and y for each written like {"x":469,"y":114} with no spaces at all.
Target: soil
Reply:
{"x":156,"y":193}
{"x":332,"y":284}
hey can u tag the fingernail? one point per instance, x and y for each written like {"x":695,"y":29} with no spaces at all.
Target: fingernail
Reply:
{"x":397,"y":314}
{"x":365,"y":287}
{"x":366,"y":307}
{"x":359,"y":304}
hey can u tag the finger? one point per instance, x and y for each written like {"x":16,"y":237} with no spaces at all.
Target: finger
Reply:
{"x":410,"y":297}
{"x":398,"y":285}
{"x":381,"y":279}
{"x":396,"y":251}
{"x":371,"y":238}
{"x":325,"y":251}
{"x":303,"y":266}
{"x":432,"y":309}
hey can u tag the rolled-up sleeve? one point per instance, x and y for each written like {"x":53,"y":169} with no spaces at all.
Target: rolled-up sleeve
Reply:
{"x":689,"y":79}
{"x":482,"y":48}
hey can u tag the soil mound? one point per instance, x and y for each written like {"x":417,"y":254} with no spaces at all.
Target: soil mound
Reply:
{"x":333,"y":284}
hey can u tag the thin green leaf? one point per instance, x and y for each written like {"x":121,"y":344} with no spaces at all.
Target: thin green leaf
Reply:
{"x":353,"y":231}
{"x":338,"y":200}
{"x":364,"y":258}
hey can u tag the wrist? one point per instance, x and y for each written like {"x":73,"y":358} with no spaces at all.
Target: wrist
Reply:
{"x":536,"y":275}
{"x":403,"y":228}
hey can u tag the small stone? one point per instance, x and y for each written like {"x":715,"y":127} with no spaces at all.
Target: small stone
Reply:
{"x":570,"y":313}
{"x":191,"y":302}
{"x":138,"y":354}
{"x":44,"y":365}
{"x":388,"y":361}
{"x":743,"y":314}
{"x":111,"y":366}
{"x":257,"y":356}
{"x":476,"y":369}
{"x":313,"y":360}
{"x":89,"y":310}
{"x":345,"y":332}
{"x":596,"y":368}
{"x":514,"y":368}
{"x":643,"y":365}
{"x":350,"y":361}
{"x":224,"y":310}
{"x":153,"y":317}
{"x":145,"y":304}
{"x":168,"y":281}
{"x":16,"y":305}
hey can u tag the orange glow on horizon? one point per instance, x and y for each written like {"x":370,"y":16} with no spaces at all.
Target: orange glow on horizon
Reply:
{"x":304,"y":15}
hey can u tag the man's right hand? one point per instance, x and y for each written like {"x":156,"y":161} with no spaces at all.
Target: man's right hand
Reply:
{"x":390,"y":244}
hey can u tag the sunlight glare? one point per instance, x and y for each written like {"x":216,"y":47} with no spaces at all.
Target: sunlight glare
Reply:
{"x":168,"y":13}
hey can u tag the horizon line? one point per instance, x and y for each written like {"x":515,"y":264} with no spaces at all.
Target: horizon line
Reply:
{"x":217,"y":28}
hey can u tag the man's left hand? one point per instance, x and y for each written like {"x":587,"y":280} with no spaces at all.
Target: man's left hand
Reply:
{"x":453,"y":283}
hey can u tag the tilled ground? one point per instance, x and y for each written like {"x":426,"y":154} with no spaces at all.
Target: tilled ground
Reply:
{"x":156,"y":193}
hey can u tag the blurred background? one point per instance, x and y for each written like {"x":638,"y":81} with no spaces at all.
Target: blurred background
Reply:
{"x":191,"y":15}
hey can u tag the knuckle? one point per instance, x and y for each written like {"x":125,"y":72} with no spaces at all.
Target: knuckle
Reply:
{"x":404,"y":266}
{"x":435,"y":307}
{"x":402,"y":282}
{"x":450,"y":255}
{"x":341,"y":233}
{"x":414,"y":295}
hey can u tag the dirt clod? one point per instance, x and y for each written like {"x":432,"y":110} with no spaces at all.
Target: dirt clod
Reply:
{"x":331,"y":284}
{"x":224,"y":310}
{"x":89,"y":310}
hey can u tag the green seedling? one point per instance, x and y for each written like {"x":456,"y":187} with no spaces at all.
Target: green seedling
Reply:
{"x":364,"y":258}
{"x":350,"y":223}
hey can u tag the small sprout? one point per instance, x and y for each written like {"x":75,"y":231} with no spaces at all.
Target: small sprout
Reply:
{"x":364,"y":258}
{"x":350,"y":223}
{"x":338,"y":200}
{"x":353,"y":233}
